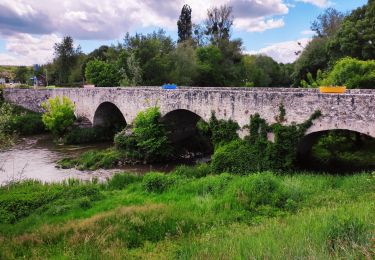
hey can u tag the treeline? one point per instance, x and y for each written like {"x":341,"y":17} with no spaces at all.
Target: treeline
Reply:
{"x":206,"y":55}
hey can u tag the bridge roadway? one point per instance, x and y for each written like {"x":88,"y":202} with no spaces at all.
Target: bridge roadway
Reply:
{"x":354,"y":110}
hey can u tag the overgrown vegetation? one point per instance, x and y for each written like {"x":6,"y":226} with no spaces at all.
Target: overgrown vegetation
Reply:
{"x":89,"y":135}
{"x":147,"y":139}
{"x":185,"y":215}
{"x":256,"y":152}
{"x":58,"y":115}
{"x":16,"y":121}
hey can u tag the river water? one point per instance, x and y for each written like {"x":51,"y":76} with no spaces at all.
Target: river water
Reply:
{"x":35,"y":158}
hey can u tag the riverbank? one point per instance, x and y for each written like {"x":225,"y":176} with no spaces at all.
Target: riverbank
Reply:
{"x":191,"y":213}
{"x":35,"y":157}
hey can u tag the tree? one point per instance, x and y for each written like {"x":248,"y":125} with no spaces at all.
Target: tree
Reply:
{"x":22,"y":74}
{"x":65,"y":58}
{"x":209,"y":70}
{"x":219,"y":23}
{"x":313,"y":58}
{"x":153,"y":53}
{"x":184,"y":24}
{"x":102,"y":74}
{"x":58,"y":115}
{"x":261,"y":71}
{"x":352,"y":73}
{"x":199,"y":36}
{"x":131,"y":69}
{"x":327,"y":23}
{"x":184,"y":69}
{"x":356,"y":36}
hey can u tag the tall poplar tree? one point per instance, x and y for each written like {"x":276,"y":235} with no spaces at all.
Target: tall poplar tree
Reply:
{"x":65,"y":58}
{"x":184,"y":24}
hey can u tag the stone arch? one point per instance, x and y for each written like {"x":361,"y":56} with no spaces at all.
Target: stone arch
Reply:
{"x":181,"y":125}
{"x":181,"y":122}
{"x":109,"y":115}
{"x":311,"y":138}
{"x":359,"y":127}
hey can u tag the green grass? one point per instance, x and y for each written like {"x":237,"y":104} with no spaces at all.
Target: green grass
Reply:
{"x":92,"y":160}
{"x":191,"y":216}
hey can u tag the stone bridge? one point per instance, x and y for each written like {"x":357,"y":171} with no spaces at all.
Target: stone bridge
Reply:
{"x":354,"y":110}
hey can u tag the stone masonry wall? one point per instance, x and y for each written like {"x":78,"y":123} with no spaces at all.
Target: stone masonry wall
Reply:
{"x":354,"y":110}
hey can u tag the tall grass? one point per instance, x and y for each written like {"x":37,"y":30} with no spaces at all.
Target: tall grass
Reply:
{"x":184,"y":215}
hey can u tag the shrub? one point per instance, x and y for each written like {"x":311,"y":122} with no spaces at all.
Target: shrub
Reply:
{"x":147,"y":139}
{"x":238,"y":157}
{"x":14,"y":205}
{"x":257,"y":153}
{"x":6,"y":115}
{"x":261,"y":192}
{"x":28,"y":123}
{"x":6,"y":133}
{"x":58,"y":115}
{"x":158,"y":182}
{"x":151,"y":135}
{"x":219,"y":131}
{"x":352,"y":73}
{"x":125,"y":140}
{"x":88,"y":135}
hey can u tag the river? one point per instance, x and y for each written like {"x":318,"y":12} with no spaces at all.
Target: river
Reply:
{"x":35,"y":158}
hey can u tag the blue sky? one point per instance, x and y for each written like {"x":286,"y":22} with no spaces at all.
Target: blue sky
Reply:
{"x":29,"y":28}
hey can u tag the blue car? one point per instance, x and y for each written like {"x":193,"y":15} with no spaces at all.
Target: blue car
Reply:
{"x":169,"y":86}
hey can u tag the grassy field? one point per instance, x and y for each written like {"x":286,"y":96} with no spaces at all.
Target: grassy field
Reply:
{"x":191,"y":214}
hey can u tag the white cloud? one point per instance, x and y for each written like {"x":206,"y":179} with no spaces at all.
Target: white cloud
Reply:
{"x":284,"y":52}
{"x":109,"y":19}
{"x":259,"y":25}
{"x":31,"y":27}
{"x":25,"y":49}
{"x":319,"y":3}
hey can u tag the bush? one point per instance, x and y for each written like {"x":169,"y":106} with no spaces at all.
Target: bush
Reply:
{"x":263,"y":193}
{"x":352,"y":73}
{"x":147,"y":139}
{"x":257,"y":153}
{"x":6,"y":133}
{"x":88,"y":135}
{"x":125,"y":140}
{"x":28,"y":123}
{"x":158,"y":182}
{"x":219,"y":131}
{"x":238,"y":157}
{"x":14,"y":204}
{"x":58,"y":115}
{"x":22,"y":199}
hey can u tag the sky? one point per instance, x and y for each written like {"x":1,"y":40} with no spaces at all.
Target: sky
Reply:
{"x":30,"y":28}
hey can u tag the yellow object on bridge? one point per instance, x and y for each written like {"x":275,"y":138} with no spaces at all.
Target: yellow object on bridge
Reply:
{"x":338,"y":90}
